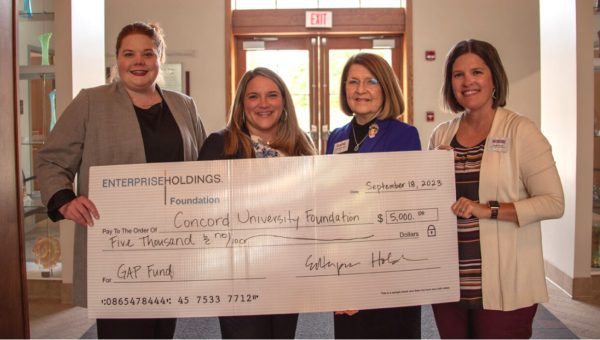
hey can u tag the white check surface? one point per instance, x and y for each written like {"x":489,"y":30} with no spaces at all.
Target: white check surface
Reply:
{"x":277,"y":235}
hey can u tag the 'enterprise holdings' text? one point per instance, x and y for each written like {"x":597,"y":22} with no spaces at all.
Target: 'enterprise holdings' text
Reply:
{"x":160,"y":180}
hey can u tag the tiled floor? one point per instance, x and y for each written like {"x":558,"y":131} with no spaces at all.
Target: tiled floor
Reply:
{"x":52,"y":320}
{"x":582,"y":317}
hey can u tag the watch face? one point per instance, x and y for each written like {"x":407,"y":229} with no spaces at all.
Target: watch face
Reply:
{"x":494,"y":206}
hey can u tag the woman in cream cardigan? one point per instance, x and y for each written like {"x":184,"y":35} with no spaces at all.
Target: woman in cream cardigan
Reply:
{"x":506,"y":183}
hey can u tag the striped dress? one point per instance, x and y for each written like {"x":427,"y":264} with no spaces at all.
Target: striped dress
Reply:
{"x":467,"y":164}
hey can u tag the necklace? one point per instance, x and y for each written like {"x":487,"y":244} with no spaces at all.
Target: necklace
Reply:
{"x":356,"y":141}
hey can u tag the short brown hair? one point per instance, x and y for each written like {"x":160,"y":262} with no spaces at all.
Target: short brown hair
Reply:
{"x":393,"y":100}
{"x":490,"y":57}
{"x":151,"y":30}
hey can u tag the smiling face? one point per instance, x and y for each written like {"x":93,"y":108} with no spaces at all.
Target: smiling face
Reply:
{"x":263,"y":105}
{"x":138,"y":62}
{"x":472,"y":83}
{"x":363,"y":93}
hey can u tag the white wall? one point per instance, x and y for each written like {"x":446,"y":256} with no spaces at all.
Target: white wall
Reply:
{"x":512,"y":26}
{"x":567,"y":104}
{"x":195,"y":37}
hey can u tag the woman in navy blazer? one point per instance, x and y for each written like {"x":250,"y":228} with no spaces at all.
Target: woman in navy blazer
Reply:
{"x":262,"y":124}
{"x":371,"y":94}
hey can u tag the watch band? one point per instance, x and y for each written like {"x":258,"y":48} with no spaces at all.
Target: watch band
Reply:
{"x":494,"y":206}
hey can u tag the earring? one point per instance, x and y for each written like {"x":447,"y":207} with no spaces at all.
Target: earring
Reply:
{"x":244,"y":117}
{"x":285,"y":115}
{"x":494,"y":93}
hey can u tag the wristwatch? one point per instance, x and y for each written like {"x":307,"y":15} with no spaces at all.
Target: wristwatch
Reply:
{"x":495,"y":206}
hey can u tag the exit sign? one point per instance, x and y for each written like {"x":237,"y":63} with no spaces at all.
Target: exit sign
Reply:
{"x":319,"y":19}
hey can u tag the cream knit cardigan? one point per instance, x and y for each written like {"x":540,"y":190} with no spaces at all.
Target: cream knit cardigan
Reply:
{"x":524,"y":173}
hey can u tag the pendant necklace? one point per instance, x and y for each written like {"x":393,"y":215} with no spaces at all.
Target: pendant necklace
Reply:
{"x":356,"y":141}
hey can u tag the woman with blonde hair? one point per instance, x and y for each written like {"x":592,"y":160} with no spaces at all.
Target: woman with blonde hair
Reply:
{"x":262,"y":119}
{"x":262,"y":123}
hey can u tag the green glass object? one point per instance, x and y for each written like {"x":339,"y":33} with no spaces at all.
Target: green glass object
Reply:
{"x":44,"y":39}
{"x":52,"y":97}
{"x":27,"y":8}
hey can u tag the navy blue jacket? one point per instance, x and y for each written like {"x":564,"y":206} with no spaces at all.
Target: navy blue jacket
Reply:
{"x":393,"y":135}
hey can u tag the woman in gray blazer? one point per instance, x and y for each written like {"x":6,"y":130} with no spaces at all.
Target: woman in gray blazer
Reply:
{"x":131,"y":120}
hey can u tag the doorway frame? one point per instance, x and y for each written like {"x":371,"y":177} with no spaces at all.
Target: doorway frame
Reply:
{"x":291,"y":22}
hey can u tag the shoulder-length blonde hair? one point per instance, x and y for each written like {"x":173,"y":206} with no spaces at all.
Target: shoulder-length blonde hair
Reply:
{"x":290,"y":139}
{"x":393,"y":99}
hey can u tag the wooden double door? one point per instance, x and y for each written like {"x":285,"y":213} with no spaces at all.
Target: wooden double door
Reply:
{"x":311,"y":66}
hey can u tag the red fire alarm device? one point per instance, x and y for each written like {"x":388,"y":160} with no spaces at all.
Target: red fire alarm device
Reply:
{"x":430,"y":55}
{"x":430,"y":116}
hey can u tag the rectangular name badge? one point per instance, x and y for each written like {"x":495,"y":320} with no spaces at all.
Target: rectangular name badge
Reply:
{"x":500,"y":144}
{"x":341,"y":147}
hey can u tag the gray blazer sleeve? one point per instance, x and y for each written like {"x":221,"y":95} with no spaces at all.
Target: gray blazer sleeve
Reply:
{"x":59,"y":159}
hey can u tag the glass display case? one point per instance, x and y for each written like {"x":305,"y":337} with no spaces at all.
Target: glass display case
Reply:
{"x":36,"y":116}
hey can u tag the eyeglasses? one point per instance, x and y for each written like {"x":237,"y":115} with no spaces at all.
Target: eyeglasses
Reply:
{"x":368,"y":82}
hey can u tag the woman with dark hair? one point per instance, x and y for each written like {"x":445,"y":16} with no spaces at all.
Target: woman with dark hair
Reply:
{"x":506,"y":183}
{"x":262,"y":123}
{"x":371,"y":94}
{"x":132,"y":120}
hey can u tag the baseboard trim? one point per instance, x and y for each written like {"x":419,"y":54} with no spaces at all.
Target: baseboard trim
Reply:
{"x":579,"y":287}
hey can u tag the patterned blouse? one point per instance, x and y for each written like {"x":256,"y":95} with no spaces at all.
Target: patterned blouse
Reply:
{"x":263,"y":150}
{"x":467,"y":164}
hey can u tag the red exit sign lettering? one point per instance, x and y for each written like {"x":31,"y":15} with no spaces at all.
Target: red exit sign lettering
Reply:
{"x":319,"y":19}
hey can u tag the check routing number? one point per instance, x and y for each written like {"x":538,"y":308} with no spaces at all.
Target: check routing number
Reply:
{"x":275,"y":235}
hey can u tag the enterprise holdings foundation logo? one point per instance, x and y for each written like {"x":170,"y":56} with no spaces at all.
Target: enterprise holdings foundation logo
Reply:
{"x":166,"y":181}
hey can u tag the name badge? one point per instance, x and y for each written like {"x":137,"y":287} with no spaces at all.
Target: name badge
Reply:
{"x":341,"y":147}
{"x":500,"y":144}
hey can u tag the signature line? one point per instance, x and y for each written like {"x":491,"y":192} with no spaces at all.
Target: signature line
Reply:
{"x":368,"y":273}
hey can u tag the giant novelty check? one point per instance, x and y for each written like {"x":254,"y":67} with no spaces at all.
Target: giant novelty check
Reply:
{"x":277,"y":235}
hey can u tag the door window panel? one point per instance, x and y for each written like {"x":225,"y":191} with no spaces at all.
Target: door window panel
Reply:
{"x":281,"y":4}
{"x":339,"y":4}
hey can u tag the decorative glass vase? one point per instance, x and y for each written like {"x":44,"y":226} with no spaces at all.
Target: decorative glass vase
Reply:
{"x":27,"y":8}
{"x":52,"y":97}
{"x":44,"y":39}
